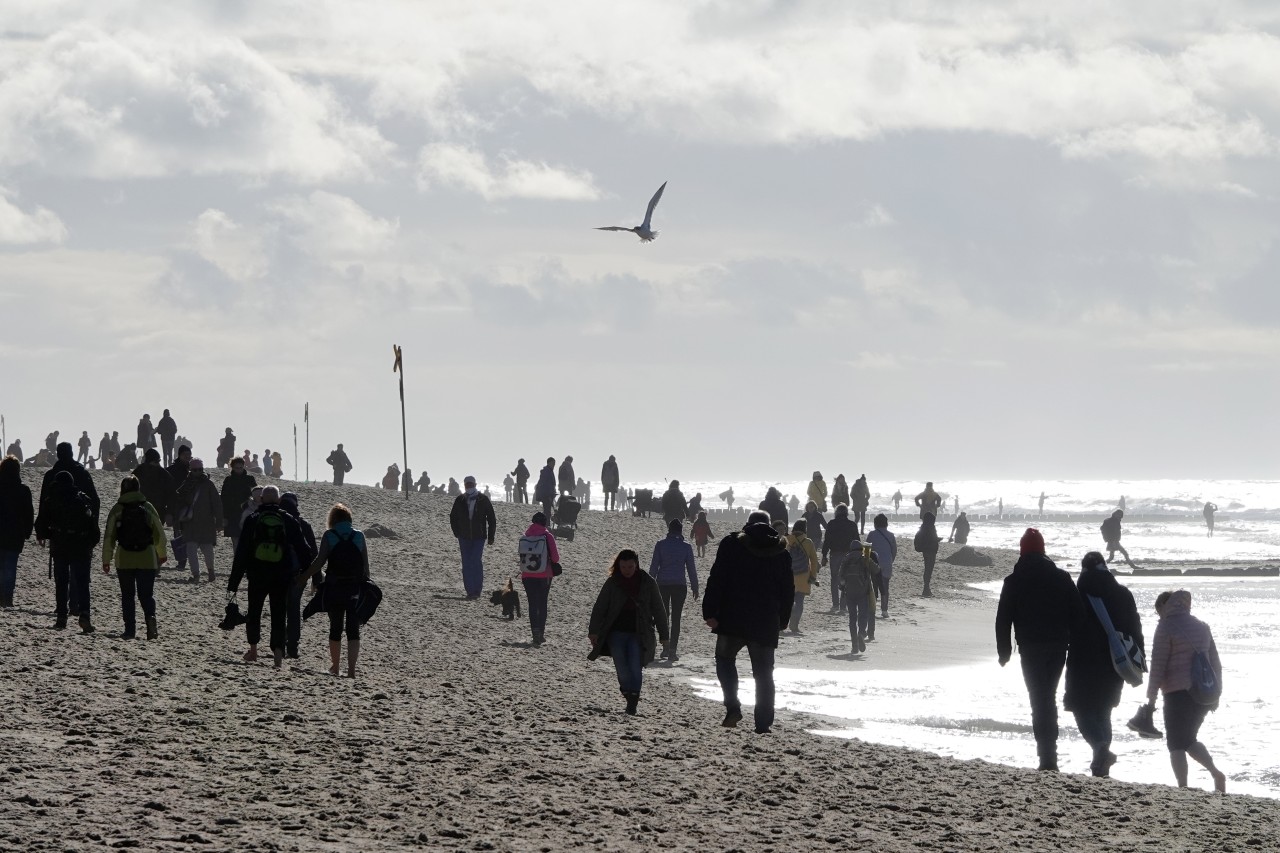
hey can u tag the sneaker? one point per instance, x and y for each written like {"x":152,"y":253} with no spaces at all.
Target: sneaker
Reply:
{"x":673,"y":657}
{"x":871,"y":638}
{"x":86,"y":626}
{"x":732,"y":717}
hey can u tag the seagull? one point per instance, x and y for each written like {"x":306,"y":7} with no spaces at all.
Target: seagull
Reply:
{"x":643,"y":231}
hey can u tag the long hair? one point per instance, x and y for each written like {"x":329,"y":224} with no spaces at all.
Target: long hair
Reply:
{"x":10,"y":470}
{"x":624,"y":554}
{"x":338,"y":514}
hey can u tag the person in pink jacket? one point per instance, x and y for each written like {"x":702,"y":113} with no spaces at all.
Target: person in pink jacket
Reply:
{"x":1178,"y":636}
{"x":539,"y":563}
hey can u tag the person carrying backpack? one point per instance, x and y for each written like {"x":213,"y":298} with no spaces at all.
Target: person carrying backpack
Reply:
{"x":17,"y":520}
{"x":858,"y":573}
{"x":1185,"y":666}
{"x":68,"y":522}
{"x":135,"y":542}
{"x":268,"y":554}
{"x":804,"y":568}
{"x":198,"y":517}
{"x":346,"y":553}
{"x":539,"y":563}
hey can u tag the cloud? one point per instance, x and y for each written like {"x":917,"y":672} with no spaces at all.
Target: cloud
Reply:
{"x":467,"y":169}
{"x":333,"y":227}
{"x":239,"y":252}
{"x":18,"y":227}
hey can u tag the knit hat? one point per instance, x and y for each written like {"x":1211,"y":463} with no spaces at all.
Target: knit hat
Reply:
{"x":539,"y":518}
{"x":675,"y":525}
{"x":1032,"y":542}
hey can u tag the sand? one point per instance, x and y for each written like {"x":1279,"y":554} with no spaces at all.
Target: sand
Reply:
{"x":457,"y":734}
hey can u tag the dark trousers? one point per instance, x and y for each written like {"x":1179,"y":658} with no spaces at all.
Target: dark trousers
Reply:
{"x":862,"y":617}
{"x":929,"y":558}
{"x":338,"y":474}
{"x":1095,"y":727}
{"x":522,"y":493}
{"x":837,"y":593}
{"x":293,"y":619}
{"x":8,"y":573}
{"x":1042,"y":670}
{"x":727,"y":649}
{"x":882,"y":589}
{"x":673,"y":596}
{"x":167,"y":445}
{"x":260,"y":590}
{"x":71,"y":585}
{"x":537,"y":591}
{"x":140,"y":583}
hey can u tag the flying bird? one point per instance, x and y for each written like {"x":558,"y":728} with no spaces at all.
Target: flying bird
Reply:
{"x":643,"y":231}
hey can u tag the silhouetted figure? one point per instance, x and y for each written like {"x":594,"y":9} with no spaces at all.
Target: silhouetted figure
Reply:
{"x":114,"y":449}
{"x":695,"y":506}
{"x":253,"y":465}
{"x":15,"y":450}
{"x":178,"y":475}
{"x":545,"y":490}
{"x":701,"y":532}
{"x":861,"y":499}
{"x":1209,"y":510}
{"x":1121,"y":504}
{"x":1042,"y":504}
{"x":454,"y":488}
{"x":127,"y":459}
{"x":17,"y":520}
{"x":566,"y":476}
{"x":960,"y":530}
{"x":51,"y":442}
{"x":926,"y":544}
{"x":198,"y":517}
{"x":727,"y":497}
{"x":154,"y":482}
{"x":167,"y":429}
{"x":815,"y":524}
{"x":839,"y":492}
{"x":104,"y":447}
{"x":84,"y":444}
{"x":226,"y":448}
{"x":793,"y":503}
{"x":1000,"y":509}
{"x":897,"y":501}
{"x":508,"y":488}
{"x":424,"y":483}
{"x":522,"y":483}
{"x":406,"y":481}
{"x":68,"y":521}
{"x":236,"y":490}
{"x":774,"y":505}
{"x":391,"y":479}
{"x":956,"y":505}
{"x":340,"y":463}
{"x":609,"y":482}
{"x":929,"y":501}
{"x":674,"y":506}
{"x":277,"y":464}
{"x":582,"y":491}
{"x":146,"y":433}
{"x":818,"y":491}
{"x":1111,"y":534}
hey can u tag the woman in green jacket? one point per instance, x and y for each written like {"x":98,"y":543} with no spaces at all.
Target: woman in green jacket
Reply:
{"x":135,"y":540}
{"x":623,"y":622}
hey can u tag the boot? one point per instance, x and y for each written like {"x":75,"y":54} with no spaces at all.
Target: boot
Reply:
{"x":60,"y":623}
{"x":152,"y":632}
{"x":1048,"y":757}
{"x":353,"y":652}
{"x":85,"y":625}
{"x":633,"y":700}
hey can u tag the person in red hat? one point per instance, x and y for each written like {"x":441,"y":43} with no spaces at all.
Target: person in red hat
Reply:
{"x":1040,"y":603}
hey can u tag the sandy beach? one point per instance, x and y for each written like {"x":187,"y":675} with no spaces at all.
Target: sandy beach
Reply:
{"x":458,"y":734}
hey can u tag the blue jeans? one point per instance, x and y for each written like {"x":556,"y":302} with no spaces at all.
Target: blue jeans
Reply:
{"x":673,"y":596}
{"x":625,"y":648}
{"x":8,"y":573}
{"x":139,"y":582}
{"x":727,"y":649}
{"x":797,"y":610}
{"x":71,"y":585}
{"x":537,"y":591}
{"x":472,"y":566}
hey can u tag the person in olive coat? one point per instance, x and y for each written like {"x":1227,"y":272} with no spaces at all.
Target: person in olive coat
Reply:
{"x":627,"y":615}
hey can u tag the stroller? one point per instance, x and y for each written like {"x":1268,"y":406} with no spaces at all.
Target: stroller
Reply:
{"x":565,"y":516}
{"x":642,"y":503}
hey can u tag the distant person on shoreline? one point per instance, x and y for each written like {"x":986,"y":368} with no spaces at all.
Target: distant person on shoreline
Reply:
{"x":17,"y":521}
{"x":544,"y":492}
{"x":15,"y":450}
{"x":345,"y":553}
{"x":114,"y":449}
{"x":774,"y":506}
{"x":508,"y":488}
{"x":253,"y":466}
{"x":695,"y":507}
{"x":340,"y":463}
{"x":926,"y":543}
{"x":1209,"y":510}
{"x":746,"y":603}
{"x":841,"y":539}
{"x":1093,"y":686}
{"x":839,"y":491}
{"x":960,"y":530}
{"x":424,"y":483}
{"x":277,"y":464}
{"x":167,"y":429}
{"x":1121,"y":504}
{"x":391,"y":479}
{"x":521,"y":473}
{"x":793,"y":503}
{"x":226,"y":449}
{"x":1042,"y":606}
{"x":804,"y":569}
{"x":474,"y":523}
{"x":539,"y":563}
{"x":818,"y":491}
{"x":885,"y":545}
{"x":955,"y":509}
{"x":623,"y":621}
{"x":146,"y":433}
{"x":727,"y":497}
{"x":406,"y":481}
{"x":51,"y":442}
{"x":83,"y":446}
{"x":671,"y":565}
{"x":929,"y":501}
{"x":566,"y":480}
{"x":674,"y":506}
{"x":701,"y":533}
{"x":1179,"y":638}
{"x":1111,"y":534}
{"x":135,"y":542}
{"x":1041,"y":505}
{"x":1000,"y":509}
{"x":861,"y":497}
{"x":454,"y":490}
{"x":897,"y":501}
{"x":609,"y":482}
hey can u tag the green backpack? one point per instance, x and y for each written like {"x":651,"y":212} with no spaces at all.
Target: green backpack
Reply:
{"x":270,"y":539}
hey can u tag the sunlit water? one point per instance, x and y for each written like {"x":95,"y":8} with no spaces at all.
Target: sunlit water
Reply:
{"x":980,"y":711}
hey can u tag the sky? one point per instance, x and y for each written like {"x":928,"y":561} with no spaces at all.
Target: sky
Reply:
{"x":932,"y":240}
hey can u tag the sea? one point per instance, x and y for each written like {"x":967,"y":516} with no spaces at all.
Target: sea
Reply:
{"x":980,"y":711}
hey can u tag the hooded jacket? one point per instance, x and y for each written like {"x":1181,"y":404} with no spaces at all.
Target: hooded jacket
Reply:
{"x":927,"y":539}
{"x":774,"y":505}
{"x":651,"y":617}
{"x":149,"y":559}
{"x":167,"y":428}
{"x":567,"y":481}
{"x":84,"y":483}
{"x":861,"y":494}
{"x":857,"y":575}
{"x":749,"y":590}
{"x":885,"y":544}
{"x":839,"y":492}
{"x":1179,"y":635}
{"x":818,"y":493}
{"x":1092,"y":682}
{"x":1041,"y":604}
{"x":553,"y":553}
{"x":609,"y":475}
{"x":545,"y":490}
{"x":199,"y":494}
{"x":673,"y":561}
{"x":59,"y":521}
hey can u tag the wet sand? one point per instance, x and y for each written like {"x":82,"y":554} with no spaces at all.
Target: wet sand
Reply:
{"x":457,"y":734}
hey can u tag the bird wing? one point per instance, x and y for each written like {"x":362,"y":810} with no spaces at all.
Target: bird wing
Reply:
{"x":653,"y":202}
{"x":612,"y":228}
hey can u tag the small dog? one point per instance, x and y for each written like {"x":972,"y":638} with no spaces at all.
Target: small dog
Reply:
{"x":509,"y":599}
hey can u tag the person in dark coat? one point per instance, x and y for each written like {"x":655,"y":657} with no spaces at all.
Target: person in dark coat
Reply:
{"x":1111,"y":533}
{"x":747,"y":602}
{"x":236,"y":489}
{"x":1042,"y":606}
{"x":841,"y":538}
{"x":474,"y":523}
{"x":226,"y":448}
{"x":775,"y":506}
{"x":17,"y":520}
{"x":624,"y":620}
{"x":545,"y":490}
{"x":859,"y":500}
{"x":146,"y":433}
{"x":167,"y":429}
{"x":926,"y":543}
{"x":609,"y":481}
{"x":68,"y":521}
{"x":293,"y":610}
{"x":674,"y":506}
{"x":84,"y":444}
{"x":197,"y":511}
{"x":79,"y":478}
{"x":1093,"y":686}
{"x":155,"y":483}
{"x":15,"y":450}
{"x":521,"y":474}
{"x":340,"y":463}
{"x":566,"y":478}
{"x":960,"y":530}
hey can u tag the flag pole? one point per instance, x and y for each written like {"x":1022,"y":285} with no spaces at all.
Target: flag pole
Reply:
{"x":398,"y":367}
{"x":306,"y":417}
{"x":295,"y":452}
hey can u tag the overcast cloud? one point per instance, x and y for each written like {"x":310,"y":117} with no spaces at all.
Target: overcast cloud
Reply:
{"x":967,"y":239}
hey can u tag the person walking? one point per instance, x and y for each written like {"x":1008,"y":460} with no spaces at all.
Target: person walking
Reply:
{"x":154,"y":482}
{"x":841,"y":538}
{"x":858,"y":573}
{"x":817,"y":491}
{"x":539,"y":563}
{"x":167,"y":429}
{"x":701,"y":533}
{"x":270,"y":550}
{"x":226,"y":449}
{"x":146,"y":433}
{"x":860,"y":498}
{"x":345,"y":552}
{"x":508,"y":488}
{"x":1209,"y":510}
{"x":198,"y":518}
{"x":746,"y":603}
{"x":68,"y":521}
{"x":1111,"y":534}
{"x":885,"y":545}
{"x":566,"y":479}
{"x":674,"y":506}
{"x":521,"y":473}
{"x":1179,"y":637}
{"x":473,"y":522}
{"x":816,"y":523}
{"x":82,"y":456}
{"x":544,"y":492}
{"x":17,"y":521}
{"x":627,"y":614}
{"x":897,"y":501}
{"x":929,"y":501}
{"x":960,"y":530}
{"x":1040,"y":509}
{"x":804,"y":569}
{"x":609,"y":482}
{"x":303,"y":561}
{"x":839,"y":491}
{"x":671,"y":564}
{"x":926,"y":544}
{"x":1042,"y":606}
{"x":65,"y":461}
{"x":340,"y":463}
{"x":774,"y":505}
{"x":135,"y":542}
{"x":1093,"y":686}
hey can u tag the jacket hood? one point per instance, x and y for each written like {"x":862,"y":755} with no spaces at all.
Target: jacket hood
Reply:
{"x":1033,"y":563}
{"x":762,"y":539}
{"x":65,"y":451}
{"x":772,"y":493}
{"x":1179,"y":604}
{"x":1099,"y":582}
{"x":133,"y":498}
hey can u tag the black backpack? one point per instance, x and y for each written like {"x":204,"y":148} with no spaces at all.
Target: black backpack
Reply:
{"x":346,"y":562}
{"x":133,"y":527}
{"x":73,"y":523}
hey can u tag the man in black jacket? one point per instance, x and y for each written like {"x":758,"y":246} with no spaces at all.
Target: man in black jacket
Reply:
{"x":567,"y":481}
{"x":674,"y":506}
{"x":1041,"y":604}
{"x":775,"y":505}
{"x":747,"y":602}
{"x":154,"y":482}
{"x":522,"y":482}
{"x":68,"y":522}
{"x":293,"y":616}
{"x":473,"y":522}
{"x":236,"y":490}
{"x":340,"y":463}
{"x":841,"y":538}
{"x":79,"y":477}
{"x":167,"y":429}
{"x":609,"y":481}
